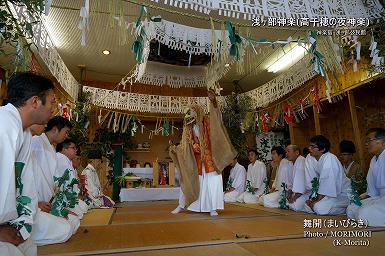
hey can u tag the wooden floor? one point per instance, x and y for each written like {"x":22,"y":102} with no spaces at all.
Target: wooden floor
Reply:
{"x":148,"y":228}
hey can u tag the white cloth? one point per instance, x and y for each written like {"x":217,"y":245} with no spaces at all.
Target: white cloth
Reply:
{"x":50,"y":229}
{"x":333,"y":184}
{"x":9,"y":249}
{"x":376,"y":175}
{"x":238,"y":181}
{"x":15,"y":147}
{"x":210,"y":194}
{"x":238,"y":178}
{"x":149,"y":194}
{"x":372,"y":209}
{"x":299,"y":204}
{"x":299,"y":175}
{"x":347,"y":169}
{"x":256,"y":174}
{"x":64,"y":163}
{"x":28,"y":248}
{"x":311,"y":171}
{"x":94,"y":189}
{"x":47,"y":229}
{"x":284,"y":175}
{"x":299,"y":185}
{"x":45,"y":166}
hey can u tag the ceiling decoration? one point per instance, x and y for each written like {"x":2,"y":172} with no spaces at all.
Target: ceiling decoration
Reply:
{"x":284,"y":8}
{"x":192,"y":40}
{"x":142,"y":102}
{"x":49,"y":54}
{"x":174,"y":76}
{"x":283,"y":84}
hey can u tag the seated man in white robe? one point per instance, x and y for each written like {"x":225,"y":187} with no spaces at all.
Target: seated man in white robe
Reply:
{"x":283,"y":180}
{"x":236,"y":183}
{"x":65,"y":152}
{"x":30,"y":101}
{"x":332,"y":192}
{"x":256,"y":176}
{"x":372,"y":209}
{"x":93,"y":188}
{"x":310,"y":174}
{"x":295,"y":199}
{"x":48,"y":228}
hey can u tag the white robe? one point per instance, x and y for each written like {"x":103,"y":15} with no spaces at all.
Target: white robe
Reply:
{"x":48,"y":229}
{"x":333,"y":184}
{"x":299,"y":185}
{"x":372,"y":209}
{"x":210,"y":193}
{"x":64,"y":163}
{"x":238,"y":178}
{"x":44,"y":170}
{"x":284,"y":175}
{"x":94,"y":189}
{"x":256,"y":174}
{"x":311,"y":172}
{"x":15,"y":147}
{"x":210,"y":189}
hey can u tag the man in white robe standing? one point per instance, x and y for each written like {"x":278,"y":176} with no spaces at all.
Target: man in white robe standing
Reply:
{"x":237,"y":182}
{"x":372,"y":209}
{"x":50,"y":229}
{"x":30,"y":101}
{"x":65,"y":152}
{"x":295,"y":199}
{"x":92,"y":182}
{"x":284,"y":176}
{"x":256,"y":176}
{"x":332,"y":193}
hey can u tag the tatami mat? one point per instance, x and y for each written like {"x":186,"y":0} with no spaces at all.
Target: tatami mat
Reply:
{"x":223,"y":250}
{"x":150,"y":229}
{"x":319,"y":247}
{"x":97,"y":217}
{"x":135,"y":235}
{"x":162,"y":213}
{"x":271,"y":210}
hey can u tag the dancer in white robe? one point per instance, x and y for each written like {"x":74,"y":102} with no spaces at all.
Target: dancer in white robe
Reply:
{"x":256,"y":175}
{"x":50,"y":229}
{"x":237,"y":182}
{"x":284,"y":176}
{"x":332,"y":196}
{"x":295,"y":199}
{"x":65,"y":152}
{"x":204,"y":152}
{"x":92,"y":182}
{"x":30,"y":101}
{"x":372,"y":209}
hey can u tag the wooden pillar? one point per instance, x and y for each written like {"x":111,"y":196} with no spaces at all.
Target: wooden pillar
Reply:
{"x":316,"y":121}
{"x":356,"y":128}
{"x":118,"y":167}
{"x":291,"y":132}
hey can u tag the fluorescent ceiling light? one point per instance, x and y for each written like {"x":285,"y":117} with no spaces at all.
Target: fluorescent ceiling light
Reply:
{"x":288,"y":59}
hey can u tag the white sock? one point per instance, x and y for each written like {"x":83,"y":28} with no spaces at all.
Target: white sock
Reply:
{"x":177,"y":210}
{"x":213,"y":213}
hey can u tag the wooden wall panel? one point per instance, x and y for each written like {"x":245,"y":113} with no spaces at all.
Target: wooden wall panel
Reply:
{"x":336,"y":123}
{"x":304,"y":130}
